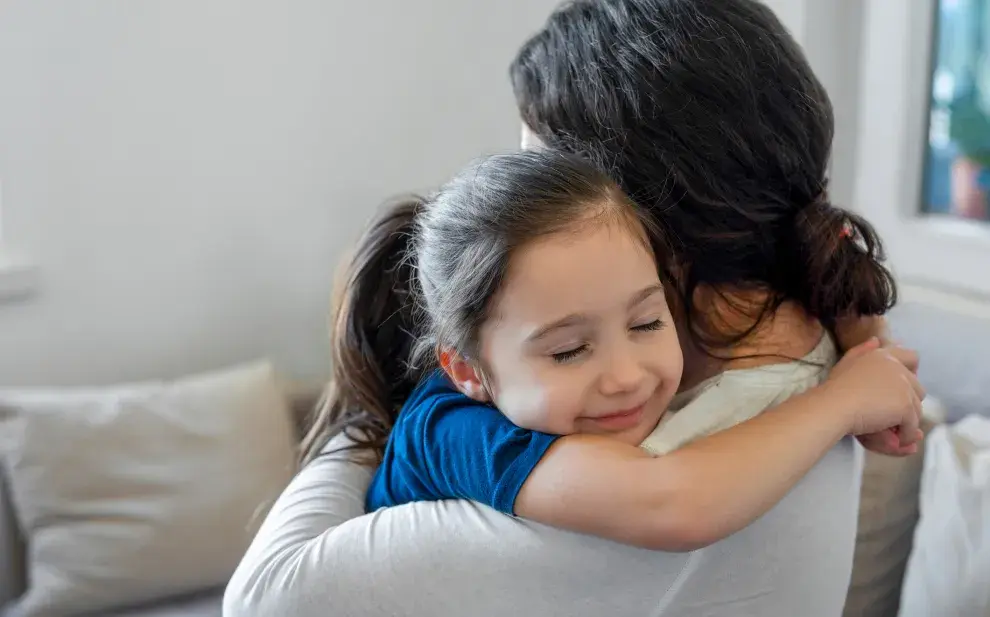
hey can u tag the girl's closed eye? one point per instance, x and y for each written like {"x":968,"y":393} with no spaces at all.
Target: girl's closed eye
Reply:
{"x":563,"y":357}
{"x":652,"y":326}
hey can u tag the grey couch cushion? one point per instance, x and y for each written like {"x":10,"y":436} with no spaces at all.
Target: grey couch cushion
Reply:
{"x":207,"y":604}
{"x":12,"y":573}
{"x":955,"y":355}
{"x":138,"y":492}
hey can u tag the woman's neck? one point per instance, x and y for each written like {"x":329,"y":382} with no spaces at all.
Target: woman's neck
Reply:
{"x":787,"y":334}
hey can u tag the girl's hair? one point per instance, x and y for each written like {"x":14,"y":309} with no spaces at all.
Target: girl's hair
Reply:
{"x":715,"y":123}
{"x":424,"y":275}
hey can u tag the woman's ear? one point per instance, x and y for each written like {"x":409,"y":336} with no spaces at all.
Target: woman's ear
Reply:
{"x":464,"y":375}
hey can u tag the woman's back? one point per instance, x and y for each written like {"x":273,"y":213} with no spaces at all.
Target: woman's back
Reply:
{"x":457,"y":557}
{"x":797,"y":558}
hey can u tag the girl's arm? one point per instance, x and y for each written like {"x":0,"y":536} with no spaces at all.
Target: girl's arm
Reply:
{"x":691,"y":497}
{"x":714,"y":487}
{"x":852,"y":331}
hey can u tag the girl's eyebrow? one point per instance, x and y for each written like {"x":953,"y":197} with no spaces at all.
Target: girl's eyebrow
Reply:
{"x":577,"y":319}
{"x":574,"y":319}
{"x":645,"y":293}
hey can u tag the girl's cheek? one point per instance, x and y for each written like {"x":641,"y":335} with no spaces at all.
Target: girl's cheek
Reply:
{"x":525,"y":404}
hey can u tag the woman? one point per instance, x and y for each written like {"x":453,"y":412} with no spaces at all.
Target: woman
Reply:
{"x":713,"y":121}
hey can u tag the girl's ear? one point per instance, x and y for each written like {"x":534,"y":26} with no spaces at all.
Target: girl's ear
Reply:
{"x":464,"y":375}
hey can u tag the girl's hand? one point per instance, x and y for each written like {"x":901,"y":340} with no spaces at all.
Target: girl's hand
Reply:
{"x":850,"y":332}
{"x":888,"y":442}
{"x":879,"y":392}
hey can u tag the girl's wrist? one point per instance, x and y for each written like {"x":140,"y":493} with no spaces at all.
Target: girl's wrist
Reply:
{"x":834,"y":408}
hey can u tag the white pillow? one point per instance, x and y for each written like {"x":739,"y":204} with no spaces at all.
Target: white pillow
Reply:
{"x":135,"y":493}
{"x":949,"y":570}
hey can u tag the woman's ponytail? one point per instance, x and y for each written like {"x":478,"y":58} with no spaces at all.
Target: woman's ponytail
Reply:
{"x":835,"y":269}
{"x":373,"y":332}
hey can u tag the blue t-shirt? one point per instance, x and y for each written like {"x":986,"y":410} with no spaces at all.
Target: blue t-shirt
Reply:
{"x":445,"y":445}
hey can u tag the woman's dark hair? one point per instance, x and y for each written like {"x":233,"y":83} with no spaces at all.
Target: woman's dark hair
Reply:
{"x":424,"y":274}
{"x":715,"y":123}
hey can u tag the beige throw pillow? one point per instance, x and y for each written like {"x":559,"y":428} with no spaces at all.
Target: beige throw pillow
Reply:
{"x":888,"y":515}
{"x":136,"y":493}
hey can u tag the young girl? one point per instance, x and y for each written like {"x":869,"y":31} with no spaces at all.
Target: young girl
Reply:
{"x":532,"y":285}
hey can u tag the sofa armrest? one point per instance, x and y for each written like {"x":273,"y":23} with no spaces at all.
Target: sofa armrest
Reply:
{"x":12,"y":551}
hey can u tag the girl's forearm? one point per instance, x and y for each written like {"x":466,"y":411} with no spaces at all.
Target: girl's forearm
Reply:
{"x":692,"y":497}
{"x":730,"y":479}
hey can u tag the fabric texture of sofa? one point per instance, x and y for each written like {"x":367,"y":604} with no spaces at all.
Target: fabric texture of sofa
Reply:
{"x":138,"y":499}
{"x":887,"y":519}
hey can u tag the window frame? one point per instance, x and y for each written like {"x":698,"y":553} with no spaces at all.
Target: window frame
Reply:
{"x":895,"y":90}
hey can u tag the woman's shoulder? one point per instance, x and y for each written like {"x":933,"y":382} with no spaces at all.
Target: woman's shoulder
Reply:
{"x":737,"y":395}
{"x":787,"y":376}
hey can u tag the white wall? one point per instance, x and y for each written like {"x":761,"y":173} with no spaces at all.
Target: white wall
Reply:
{"x":830,"y":32}
{"x":186,"y":173}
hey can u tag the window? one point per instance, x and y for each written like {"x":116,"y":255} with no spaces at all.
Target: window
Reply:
{"x":957,"y":162}
{"x":923,"y":166}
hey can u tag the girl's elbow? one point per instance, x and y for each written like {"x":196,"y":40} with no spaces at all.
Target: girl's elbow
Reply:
{"x":681,"y":540}
{"x":681,"y":531}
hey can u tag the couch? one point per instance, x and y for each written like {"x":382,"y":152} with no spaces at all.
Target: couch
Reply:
{"x":140,"y":499}
{"x":888,"y":515}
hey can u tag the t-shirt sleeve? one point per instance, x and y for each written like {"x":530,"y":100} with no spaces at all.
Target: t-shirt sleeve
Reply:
{"x":451,"y":447}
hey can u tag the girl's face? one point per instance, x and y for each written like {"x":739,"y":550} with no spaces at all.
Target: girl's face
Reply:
{"x":580,"y":339}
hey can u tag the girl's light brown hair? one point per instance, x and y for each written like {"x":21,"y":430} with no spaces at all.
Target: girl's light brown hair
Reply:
{"x":425,"y":272}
